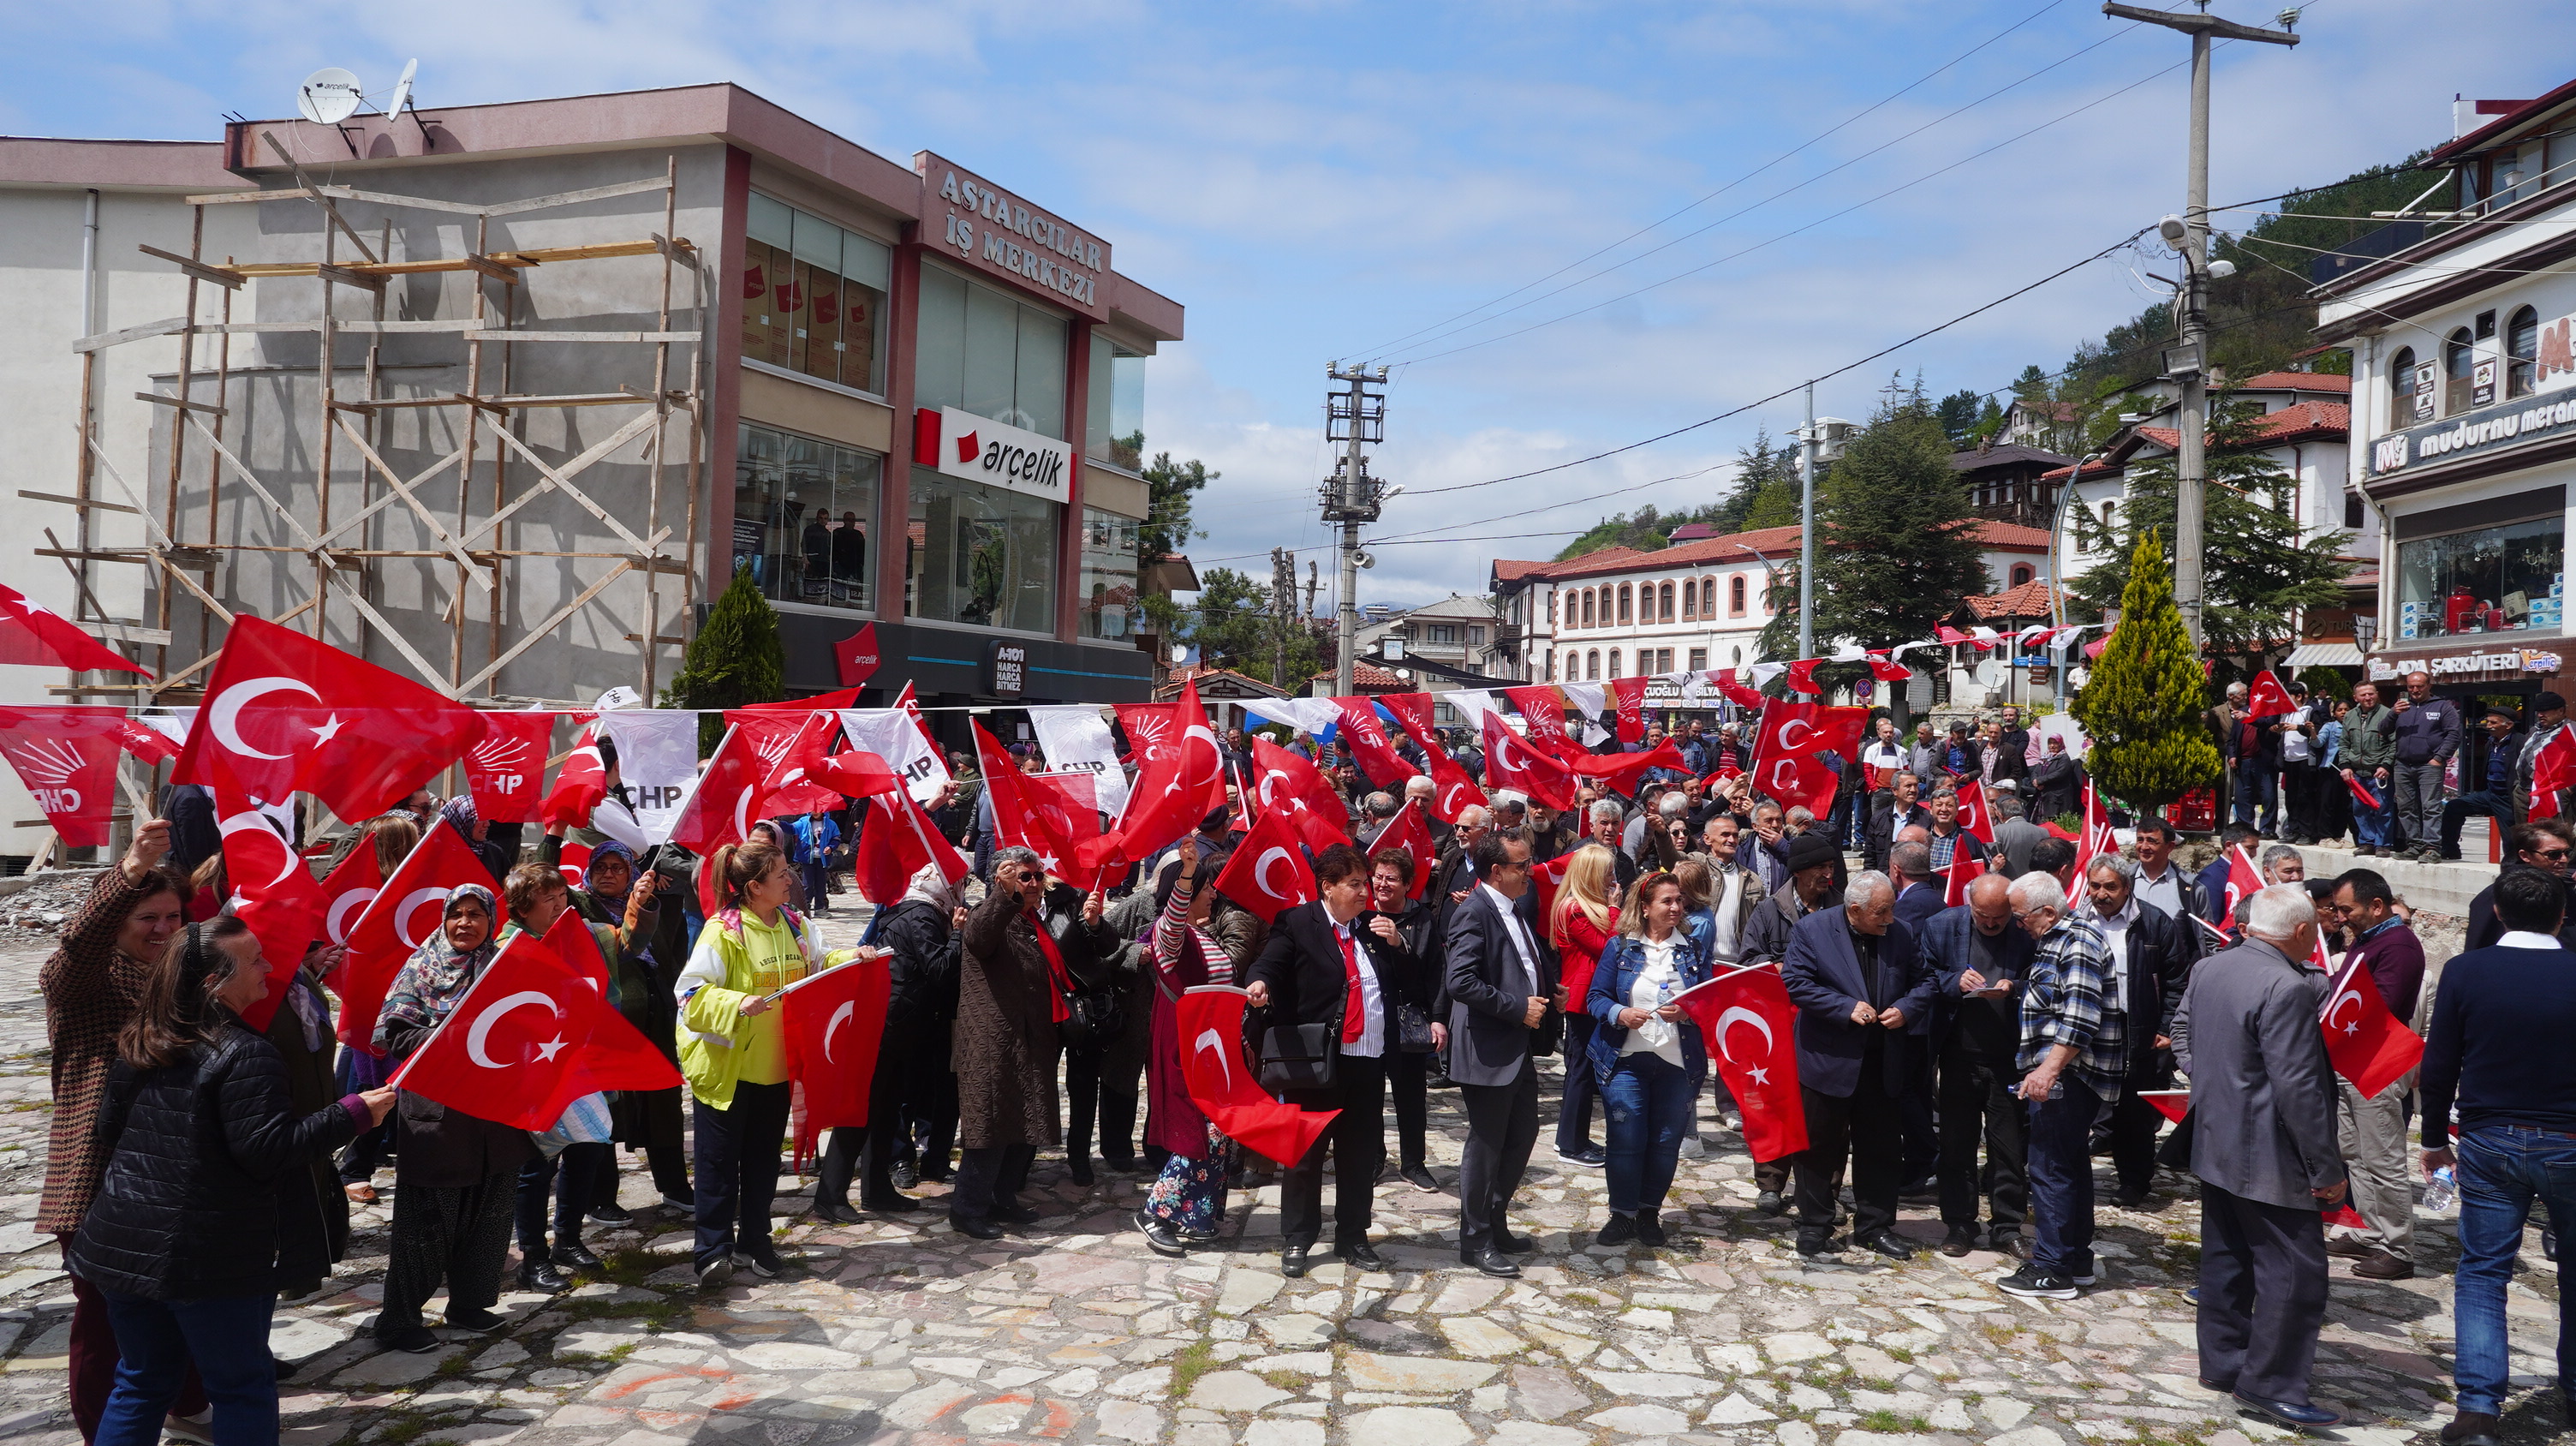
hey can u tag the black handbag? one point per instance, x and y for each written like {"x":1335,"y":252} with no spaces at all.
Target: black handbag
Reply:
{"x":1412,"y":1029}
{"x":1298,"y":1059}
{"x":1093,"y":1018}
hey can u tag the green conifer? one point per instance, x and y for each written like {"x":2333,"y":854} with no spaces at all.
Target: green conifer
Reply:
{"x":2142,"y":705}
{"x":735,"y":659}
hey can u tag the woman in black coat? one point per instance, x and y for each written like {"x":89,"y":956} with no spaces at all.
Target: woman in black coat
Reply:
{"x":200,"y":1134}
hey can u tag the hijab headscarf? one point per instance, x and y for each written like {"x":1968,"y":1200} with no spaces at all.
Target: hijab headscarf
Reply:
{"x":438,"y":972}
{"x":930,"y":885}
{"x":609,"y":848}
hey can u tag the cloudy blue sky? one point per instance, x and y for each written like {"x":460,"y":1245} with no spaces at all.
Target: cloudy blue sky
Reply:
{"x":1570,"y":226}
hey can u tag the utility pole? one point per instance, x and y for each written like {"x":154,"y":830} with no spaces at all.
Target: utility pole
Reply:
{"x":1807,"y":533}
{"x":2189,"y":361}
{"x":1283,"y":612}
{"x":1354,"y":416}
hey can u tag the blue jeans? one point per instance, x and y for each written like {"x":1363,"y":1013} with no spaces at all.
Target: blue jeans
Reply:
{"x":2370,"y":825}
{"x":2258,"y":786}
{"x":2502,"y":1171}
{"x":227,"y":1337}
{"x":2060,"y":1168}
{"x":1648,"y":1100}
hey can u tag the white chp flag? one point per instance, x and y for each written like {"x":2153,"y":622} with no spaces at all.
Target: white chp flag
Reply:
{"x":891,"y":734}
{"x":1076,"y":739}
{"x":657,"y":760}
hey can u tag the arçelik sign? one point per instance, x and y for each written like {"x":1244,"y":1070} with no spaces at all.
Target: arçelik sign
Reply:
{"x":979,"y":449}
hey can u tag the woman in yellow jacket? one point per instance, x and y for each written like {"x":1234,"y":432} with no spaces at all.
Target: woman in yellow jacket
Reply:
{"x":734,"y":1054}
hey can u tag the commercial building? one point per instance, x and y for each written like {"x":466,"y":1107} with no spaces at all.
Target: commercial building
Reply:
{"x":2464,"y":382}
{"x":504,"y":395}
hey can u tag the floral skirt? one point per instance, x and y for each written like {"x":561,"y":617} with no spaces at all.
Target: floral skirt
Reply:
{"x":1190,"y":1193}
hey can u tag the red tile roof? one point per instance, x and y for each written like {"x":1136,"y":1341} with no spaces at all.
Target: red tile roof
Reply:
{"x":1774,"y":544}
{"x":1369,"y":676}
{"x":2012,"y":536}
{"x":2295,"y":382}
{"x":2030,"y":600}
{"x":2091,"y":469}
{"x":2292,"y":423}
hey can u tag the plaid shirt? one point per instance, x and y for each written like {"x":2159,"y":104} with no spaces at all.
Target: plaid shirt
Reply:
{"x":2061,"y":1003}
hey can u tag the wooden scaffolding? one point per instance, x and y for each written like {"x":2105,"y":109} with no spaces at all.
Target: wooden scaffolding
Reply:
{"x":207,"y":469}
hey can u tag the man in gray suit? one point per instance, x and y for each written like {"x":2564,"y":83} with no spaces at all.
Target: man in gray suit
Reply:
{"x":2263,"y":1144}
{"x":1502,"y":984}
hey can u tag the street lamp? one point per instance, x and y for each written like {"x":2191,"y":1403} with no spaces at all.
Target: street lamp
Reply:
{"x":2056,"y":583}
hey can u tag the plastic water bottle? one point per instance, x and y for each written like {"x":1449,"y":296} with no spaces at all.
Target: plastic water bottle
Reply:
{"x":2442,"y":1191}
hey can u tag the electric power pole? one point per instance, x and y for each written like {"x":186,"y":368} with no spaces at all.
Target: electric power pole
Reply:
{"x":2190,"y":360}
{"x":1807,"y":534}
{"x":1353,"y":416}
{"x":1283,"y":612}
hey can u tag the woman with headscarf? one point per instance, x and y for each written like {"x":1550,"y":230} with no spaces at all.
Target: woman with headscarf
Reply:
{"x":2057,"y":784}
{"x":919,"y":933}
{"x":392,"y":836}
{"x":496,"y":856}
{"x":1187,"y":1199}
{"x":455,"y":1176}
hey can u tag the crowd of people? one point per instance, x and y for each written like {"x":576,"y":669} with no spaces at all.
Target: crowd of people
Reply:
{"x":1975,"y":1056}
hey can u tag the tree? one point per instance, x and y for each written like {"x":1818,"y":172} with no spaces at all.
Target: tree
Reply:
{"x":2143,"y":702}
{"x":1233,"y":626}
{"x":1896,"y":542}
{"x":1958,"y":414}
{"x":1766,"y":489}
{"x":1170,"y":487}
{"x":735,"y":659}
{"x":2257,"y":573}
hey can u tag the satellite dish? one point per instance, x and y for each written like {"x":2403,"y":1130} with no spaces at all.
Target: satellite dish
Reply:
{"x":402,"y":88}
{"x":328,"y":96}
{"x":1180,"y":655}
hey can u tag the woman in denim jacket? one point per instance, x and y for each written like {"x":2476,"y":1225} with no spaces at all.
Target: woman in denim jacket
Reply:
{"x":1645,"y":1053}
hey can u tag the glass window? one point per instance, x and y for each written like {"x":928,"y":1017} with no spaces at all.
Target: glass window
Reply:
{"x":1445,"y":634}
{"x":982,"y":352}
{"x":1699,"y":660}
{"x":1114,"y":431}
{"x":2495,"y":579}
{"x":2406,"y":397}
{"x":1592,"y":665}
{"x":1627,"y":595}
{"x":813,"y":296}
{"x":1735,"y":596}
{"x":1109,"y":544}
{"x":1664,"y":603}
{"x":1475,"y":636}
{"x":2522,"y":352}
{"x":2459,"y":361}
{"x":802,"y":514}
{"x":1614,"y":662}
{"x":2022,"y":573}
{"x":1587,"y":607}
{"x":980,"y":555}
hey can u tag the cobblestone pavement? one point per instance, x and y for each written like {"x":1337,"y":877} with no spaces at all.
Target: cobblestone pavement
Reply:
{"x":899,"y":1330}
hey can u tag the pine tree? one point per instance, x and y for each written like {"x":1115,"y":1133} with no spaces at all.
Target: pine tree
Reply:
{"x":735,"y":659}
{"x":2143,"y":702}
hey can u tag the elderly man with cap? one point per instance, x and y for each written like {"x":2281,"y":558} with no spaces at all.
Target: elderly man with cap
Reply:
{"x":2499,"y":779}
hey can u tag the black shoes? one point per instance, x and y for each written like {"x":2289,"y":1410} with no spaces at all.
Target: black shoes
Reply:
{"x":1920,"y":1192}
{"x":713,"y":1274}
{"x":612,"y":1214}
{"x":1770,"y":1203}
{"x":836,"y":1212}
{"x":2034,"y":1283}
{"x":1960,"y":1240}
{"x":480,"y":1322}
{"x":2128,"y":1199}
{"x":1650,"y":1228}
{"x":1080,"y":1170}
{"x":414,"y":1339}
{"x":1015,"y":1214}
{"x":976,"y":1227}
{"x":1160,"y":1237}
{"x":764,"y":1262}
{"x":542,"y":1275}
{"x":1362,"y":1256}
{"x":1121,"y":1164}
{"x":1588,"y":1157}
{"x":1418,"y":1177}
{"x":577,"y":1256}
{"x":1491,"y":1261}
{"x":1511,"y":1244}
{"x":1617,"y":1230}
{"x":890,"y":1204}
{"x":1889,"y":1245}
{"x":1293,"y":1262}
{"x":2296,"y":1415}
{"x":904,"y":1175}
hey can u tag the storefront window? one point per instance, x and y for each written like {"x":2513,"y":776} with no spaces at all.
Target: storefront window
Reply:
{"x":802,"y":514}
{"x":981,"y":555}
{"x":985,"y":353}
{"x":1115,"y":431}
{"x":1109,"y":575}
{"x":2496,"y":579}
{"x":813,"y":296}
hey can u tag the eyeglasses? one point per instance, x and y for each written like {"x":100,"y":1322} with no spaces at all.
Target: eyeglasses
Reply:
{"x":2556,"y":853}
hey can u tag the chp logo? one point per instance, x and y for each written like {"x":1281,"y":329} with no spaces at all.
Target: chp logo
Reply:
{"x":48,"y":767}
{"x":500,"y":765}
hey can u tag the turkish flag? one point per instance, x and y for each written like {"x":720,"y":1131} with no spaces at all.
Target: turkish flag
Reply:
{"x":895,"y":842}
{"x":146,"y":743}
{"x":1547,"y":878}
{"x":1182,"y":780}
{"x":783,"y":742}
{"x":1511,"y":762}
{"x":1622,"y":770}
{"x":529,"y":1037}
{"x":1020,"y":814}
{"x":1786,"y":745}
{"x":579,"y":784}
{"x":502,"y":772}
{"x":832,"y":1023}
{"x":2369,"y":1046}
{"x":1376,"y":756}
{"x":572,"y":863}
{"x":1802,"y":677}
{"x":855,"y":774}
{"x":1408,"y":832}
{"x":2362,"y":795}
{"x":1736,"y":692}
{"x":1954,"y":638}
{"x":1266,"y":873}
{"x":2553,"y":769}
{"x":1221,"y":1082}
{"x":2267,"y":698}
{"x":398,"y":920}
{"x":42,"y":638}
{"x":2097,"y":841}
{"x":856,"y":658}
{"x":1070,"y":805}
{"x":1285,"y":782}
{"x":273,"y":892}
{"x":347,"y":893}
{"x":1628,"y":696}
{"x":2244,"y":881}
{"x":720,"y":809}
{"x":286,"y":712}
{"x":1453,"y":792}
{"x":1764,"y":1079}
{"x":67,"y":755}
{"x":1887,"y":670}
{"x":1974,"y":815}
{"x":1963,"y":871}
{"x":832,"y":702}
{"x":2172,"y":1104}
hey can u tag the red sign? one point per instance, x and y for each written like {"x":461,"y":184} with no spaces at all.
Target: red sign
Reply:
{"x":856,"y":656}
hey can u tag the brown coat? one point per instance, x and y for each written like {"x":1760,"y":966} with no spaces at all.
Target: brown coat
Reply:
{"x":1004,"y":1045}
{"x":91,"y":989}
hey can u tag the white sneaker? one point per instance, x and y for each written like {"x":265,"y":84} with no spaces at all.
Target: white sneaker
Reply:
{"x":196,"y":1430}
{"x":1692,"y":1149}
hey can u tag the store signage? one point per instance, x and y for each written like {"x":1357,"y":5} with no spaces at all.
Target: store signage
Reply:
{"x":979,"y":449}
{"x":2452,"y":666}
{"x":2474,"y":432}
{"x":989,"y":229}
{"x":1006,"y":668}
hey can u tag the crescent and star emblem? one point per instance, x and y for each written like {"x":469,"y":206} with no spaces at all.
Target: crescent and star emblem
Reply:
{"x":1738,"y":1013}
{"x":251,"y":820}
{"x":224,"y":714}
{"x":1214,"y":1043}
{"x":1261,"y":871}
{"x":843,"y":1015}
{"x":476,"y":1037}
{"x":1780,"y":784}
{"x":2332,"y":1009}
{"x":409,"y":906}
{"x":335,"y":924}
{"x":1788,"y":742}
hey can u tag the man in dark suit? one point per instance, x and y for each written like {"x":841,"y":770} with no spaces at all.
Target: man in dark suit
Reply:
{"x":1502,"y":988}
{"x":1864,"y":997}
{"x":1455,"y":873}
{"x":2263,"y":1144}
{"x":1891,"y":810}
{"x":1921,"y":893}
{"x":1979,"y":959}
{"x":2151,"y":957}
{"x":1312,"y":970}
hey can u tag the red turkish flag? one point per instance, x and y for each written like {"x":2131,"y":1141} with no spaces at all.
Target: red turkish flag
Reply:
{"x":1963,"y":871}
{"x":1284,"y":782}
{"x":503,"y":771}
{"x":1622,"y":770}
{"x":1628,"y":695}
{"x":2173,"y":1105}
{"x":347,"y":892}
{"x":832,"y":1023}
{"x":146,"y":743}
{"x":1453,"y":792}
{"x":1764,"y":1080}
{"x":1266,"y":873}
{"x":288,"y":713}
{"x":1547,"y":878}
{"x":579,"y":784}
{"x":895,"y":842}
{"x":397,"y":921}
{"x":1888,"y":670}
{"x":2369,"y":1046}
{"x":793,"y":708}
{"x":856,"y":657}
{"x":273,"y":891}
{"x":572,"y":863}
{"x":1974,"y":815}
{"x":722,"y":808}
{"x":1181,"y":782}
{"x":2266,"y":698}
{"x":855,"y":774}
{"x":67,"y":755}
{"x":1021,"y":817}
{"x":1221,"y":1082}
{"x":1511,"y":762}
{"x":1786,"y":745}
{"x":1408,"y":832}
{"x":39,"y":637}
{"x":1376,"y":756}
{"x":1070,"y":804}
{"x":1802,"y":677}
{"x":2553,"y":769}
{"x":530,"y":1036}
{"x":1737,"y":693}
{"x":2362,"y":795}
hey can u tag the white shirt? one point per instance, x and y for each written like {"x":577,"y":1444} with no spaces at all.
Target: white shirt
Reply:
{"x":2115,"y":937}
{"x":2525,"y":939}
{"x":1372,"y":1040}
{"x":1518,"y":932}
{"x":1656,"y":1036}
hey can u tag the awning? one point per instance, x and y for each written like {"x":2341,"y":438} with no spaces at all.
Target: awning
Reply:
{"x":2325,"y":655}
